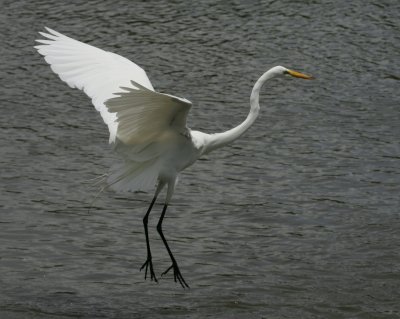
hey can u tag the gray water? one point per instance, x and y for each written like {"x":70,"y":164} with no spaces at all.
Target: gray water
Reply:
{"x":297,"y":219}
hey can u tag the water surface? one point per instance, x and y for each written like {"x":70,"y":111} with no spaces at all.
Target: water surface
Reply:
{"x":298,"y":219}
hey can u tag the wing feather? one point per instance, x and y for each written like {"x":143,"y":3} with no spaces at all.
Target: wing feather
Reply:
{"x":97,"y":72}
{"x":143,"y":115}
{"x":143,"y":123}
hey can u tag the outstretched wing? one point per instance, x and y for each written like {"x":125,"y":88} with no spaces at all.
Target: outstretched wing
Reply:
{"x":98,"y":73}
{"x":145,"y":116}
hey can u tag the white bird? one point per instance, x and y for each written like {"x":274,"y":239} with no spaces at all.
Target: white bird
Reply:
{"x":148,"y":128}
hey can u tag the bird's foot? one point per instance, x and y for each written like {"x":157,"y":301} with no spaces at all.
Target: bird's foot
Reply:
{"x":177,"y":274}
{"x":149,"y":264}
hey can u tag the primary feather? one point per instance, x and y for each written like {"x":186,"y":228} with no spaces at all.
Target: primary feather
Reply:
{"x":98,"y":73}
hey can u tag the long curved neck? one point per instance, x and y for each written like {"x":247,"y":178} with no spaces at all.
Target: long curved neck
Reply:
{"x":218,"y":140}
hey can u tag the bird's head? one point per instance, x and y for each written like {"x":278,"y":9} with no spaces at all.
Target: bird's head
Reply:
{"x":280,"y":70}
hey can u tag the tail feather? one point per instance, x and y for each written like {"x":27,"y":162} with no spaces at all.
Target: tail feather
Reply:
{"x":133,"y":176}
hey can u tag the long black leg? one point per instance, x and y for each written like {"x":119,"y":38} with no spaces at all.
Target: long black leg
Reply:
{"x":148,"y":263}
{"x":174,"y":266}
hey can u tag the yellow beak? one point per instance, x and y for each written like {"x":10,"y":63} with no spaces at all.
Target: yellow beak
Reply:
{"x":300,"y":75}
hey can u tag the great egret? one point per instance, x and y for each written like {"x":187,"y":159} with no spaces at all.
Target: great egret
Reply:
{"x":148,"y":128}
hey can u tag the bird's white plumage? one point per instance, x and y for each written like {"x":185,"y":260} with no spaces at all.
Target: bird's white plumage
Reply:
{"x":148,"y":127}
{"x":144,"y":124}
{"x":150,"y":124}
{"x":145,"y":116}
{"x":98,"y":73}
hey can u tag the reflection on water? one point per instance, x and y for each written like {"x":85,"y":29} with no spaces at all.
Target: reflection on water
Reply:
{"x":298,"y":219}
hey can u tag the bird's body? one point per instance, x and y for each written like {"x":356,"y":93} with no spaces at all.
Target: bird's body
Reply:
{"x":161,"y":161}
{"x":148,"y":128}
